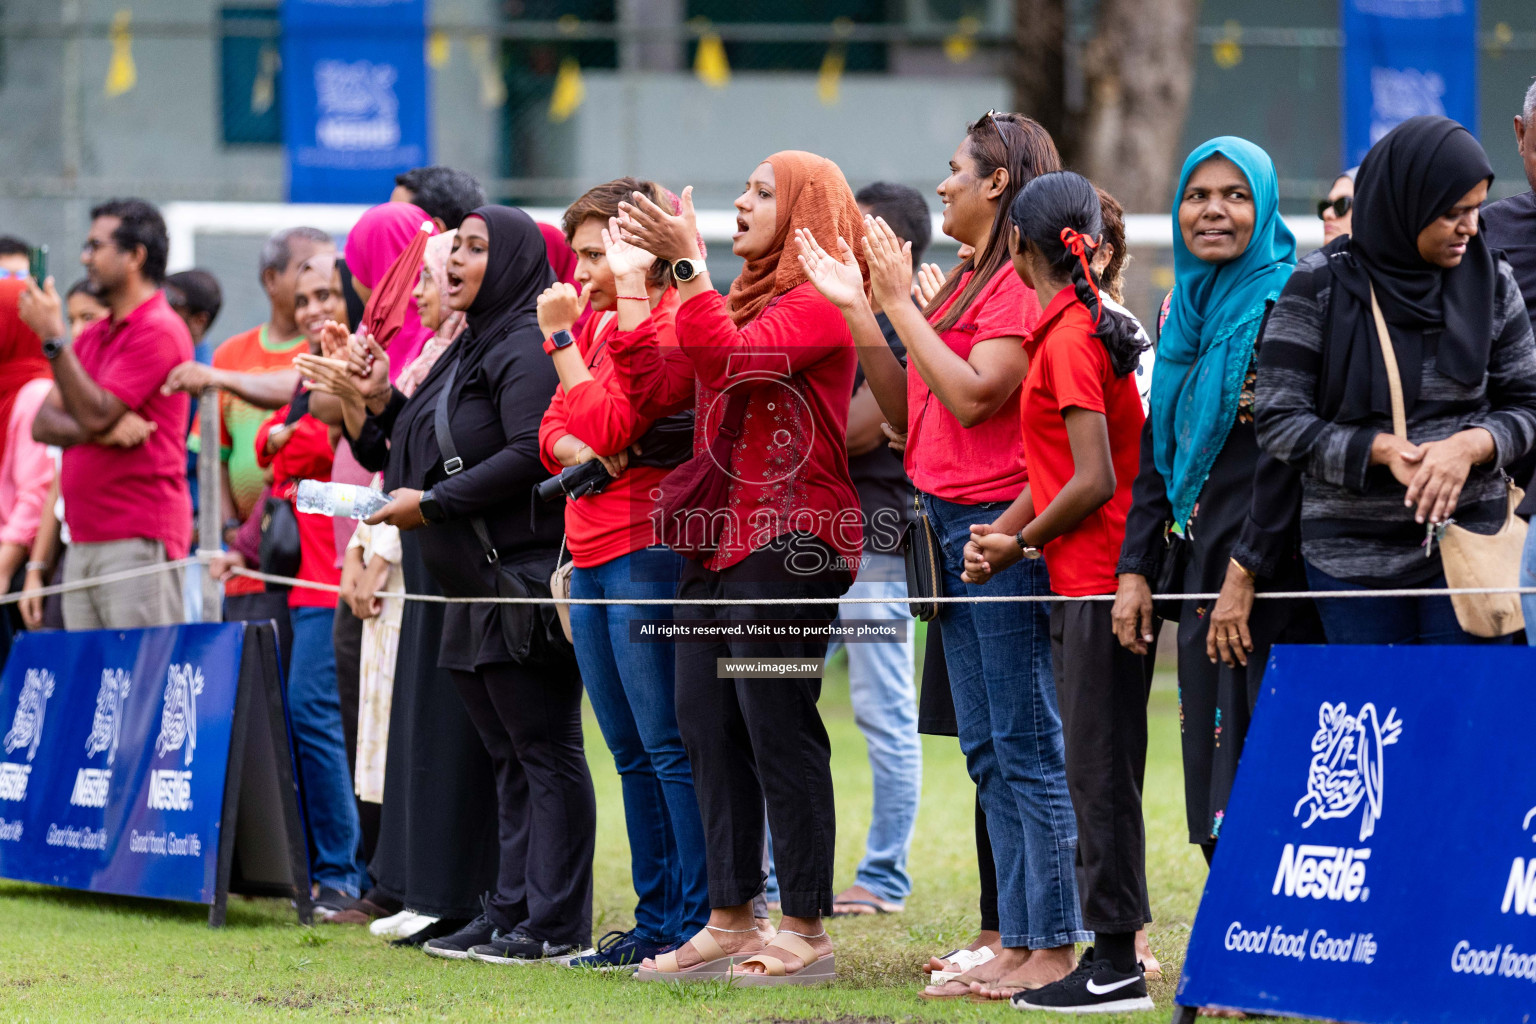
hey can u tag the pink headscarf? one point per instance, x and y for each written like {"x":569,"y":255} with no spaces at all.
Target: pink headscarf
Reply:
{"x":435,"y":261}
{"x":375,"y":241}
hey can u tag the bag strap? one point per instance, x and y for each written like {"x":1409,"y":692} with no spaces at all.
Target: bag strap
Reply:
{"x":452,"y":463}
{"x":1394,"y":378}
{"x":730,"y":428}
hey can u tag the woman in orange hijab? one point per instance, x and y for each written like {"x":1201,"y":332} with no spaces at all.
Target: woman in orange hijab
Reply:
{"x":768,"y":371}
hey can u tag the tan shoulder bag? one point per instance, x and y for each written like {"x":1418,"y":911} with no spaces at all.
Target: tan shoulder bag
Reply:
{"x":1471,"y":560}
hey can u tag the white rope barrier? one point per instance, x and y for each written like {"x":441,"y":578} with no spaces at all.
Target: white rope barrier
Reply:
{"x":204,"y":557}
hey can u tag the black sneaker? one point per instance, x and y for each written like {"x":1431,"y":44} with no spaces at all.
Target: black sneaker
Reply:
{"x":457,"y":946}
{"x":620,"y":951}
{"x":331,"y":902}
{"x":518,"y":947}
{"x":1095,"y":987}
{"x":438,"y":929}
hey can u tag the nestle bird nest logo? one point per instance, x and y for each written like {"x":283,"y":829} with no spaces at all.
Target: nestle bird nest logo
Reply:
{"x":1348,"y":759}
{"x":358,"y":108}
{"x":106,"y":723}
{"x":27,"y":724}
{"x":170,"y":789}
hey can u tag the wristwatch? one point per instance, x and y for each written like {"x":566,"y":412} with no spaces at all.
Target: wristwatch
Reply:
{"x":431,"y":511}
{"x":558,"y":340}
{"x":53,"y":346}
{"x":1030,"y":553}
{"x":686,"y":269}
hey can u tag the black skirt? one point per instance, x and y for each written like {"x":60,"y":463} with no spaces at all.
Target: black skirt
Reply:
{"x":1216,"y":702}
{"x":438,"y":850}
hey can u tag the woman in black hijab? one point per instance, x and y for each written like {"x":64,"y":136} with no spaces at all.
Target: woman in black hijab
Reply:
{"x":470,"y":490}
{"x":1463,"y":345}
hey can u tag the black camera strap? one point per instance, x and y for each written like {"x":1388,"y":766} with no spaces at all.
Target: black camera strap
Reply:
{"x":452,"y":463}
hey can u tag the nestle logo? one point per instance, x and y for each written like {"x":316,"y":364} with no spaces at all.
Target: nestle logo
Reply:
{"x":91,"y":785}
{"x":170,"y":790}
{"x":13,"y":780}
{"x":1322,"y":873}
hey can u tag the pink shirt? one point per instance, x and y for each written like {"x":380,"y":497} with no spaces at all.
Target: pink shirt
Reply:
{"x":125,"y":493}
{"x":970,"y":465}
{"x":26,"y":470}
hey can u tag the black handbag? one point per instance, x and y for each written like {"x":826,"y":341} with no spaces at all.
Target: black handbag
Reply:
{"x":532,"y":632}
{"x":924,"y":562}
{"x":1170,"y":576}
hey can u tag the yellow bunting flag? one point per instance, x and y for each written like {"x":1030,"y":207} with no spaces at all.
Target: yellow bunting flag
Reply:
{"x":710,"y":62}
{"x":493,"y":89}
{"x":829,"y":79}
{"x":439,"y":50}
{"x":121,"y":73}
{"x":264,"y":87}
{"x":570,"y":90}
{"x":961,"y":45}
{"x":1228,"y":51}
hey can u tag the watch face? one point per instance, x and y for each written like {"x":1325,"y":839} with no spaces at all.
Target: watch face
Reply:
{"x":684,"y":270}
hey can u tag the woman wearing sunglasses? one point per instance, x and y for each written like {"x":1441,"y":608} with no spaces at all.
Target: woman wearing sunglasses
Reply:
{"x":1335,"y":210}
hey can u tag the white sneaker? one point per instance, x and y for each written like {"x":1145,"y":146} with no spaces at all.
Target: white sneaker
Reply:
{"x":401,"y":925}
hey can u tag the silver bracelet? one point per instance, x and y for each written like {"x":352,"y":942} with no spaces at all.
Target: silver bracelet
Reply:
{"x":37,"y":567}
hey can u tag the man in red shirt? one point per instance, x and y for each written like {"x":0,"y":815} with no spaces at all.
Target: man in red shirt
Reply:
{"x":126,"y":508}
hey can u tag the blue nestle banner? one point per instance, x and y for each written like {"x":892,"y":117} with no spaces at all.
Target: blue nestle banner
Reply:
{"x":1378,"y":858}
{"x":354,"y":97}
{"x":1403,"y":58}
{"x":112,"y":766}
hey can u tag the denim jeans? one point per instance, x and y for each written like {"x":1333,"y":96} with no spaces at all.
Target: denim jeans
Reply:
{"x":999,"y":660}
{"x":1528,"y":579}
{"x":1390,"y":620}
{"x":631,"y":686}
{"x":314,"y":711}
{"x":884,"y":697}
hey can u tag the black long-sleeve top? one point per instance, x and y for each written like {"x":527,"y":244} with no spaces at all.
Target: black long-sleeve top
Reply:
{"x":1269,"y":533}
{"x":500,"y":392}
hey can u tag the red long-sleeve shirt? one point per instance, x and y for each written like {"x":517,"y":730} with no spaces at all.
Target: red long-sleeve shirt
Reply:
{"x":306,"y":456}
{"x":789,"y":466}
{"x":603,"y":413}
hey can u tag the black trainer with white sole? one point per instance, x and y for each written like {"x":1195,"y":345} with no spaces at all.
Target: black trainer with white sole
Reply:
{"x":458,"y":945}
{"x":518,"y":947}
{"x":1095,"y":987}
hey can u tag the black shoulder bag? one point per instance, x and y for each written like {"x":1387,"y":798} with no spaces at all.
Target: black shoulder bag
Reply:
{"x":532,"y":632}
{"x":924,"y":561}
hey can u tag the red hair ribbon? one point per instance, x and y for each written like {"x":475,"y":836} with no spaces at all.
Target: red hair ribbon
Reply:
{"x":1080,"y":245}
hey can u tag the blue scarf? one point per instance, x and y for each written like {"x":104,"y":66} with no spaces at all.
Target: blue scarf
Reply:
{"x":1206,"y":345}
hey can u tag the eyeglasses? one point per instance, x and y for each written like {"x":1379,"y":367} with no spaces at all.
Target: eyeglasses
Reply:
{"x":991,"y":118}
{"x":93,"y":247}
{"x":19,"y":275}
{"x":1339,"y":206}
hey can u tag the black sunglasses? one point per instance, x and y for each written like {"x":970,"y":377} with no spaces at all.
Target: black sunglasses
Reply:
{"x":1339,"y":206}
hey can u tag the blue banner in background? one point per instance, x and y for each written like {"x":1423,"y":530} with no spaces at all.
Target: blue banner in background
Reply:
{"x":1378,"y":858}
{"x":1403,"y":58}
{"x":113,"y":761}
{"x":354,"y":97}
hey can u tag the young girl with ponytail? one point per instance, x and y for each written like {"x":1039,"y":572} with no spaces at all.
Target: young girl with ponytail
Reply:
{"x":1081,"y":419}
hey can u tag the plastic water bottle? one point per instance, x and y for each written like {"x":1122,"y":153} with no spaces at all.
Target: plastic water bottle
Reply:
{"x":344,"y":501}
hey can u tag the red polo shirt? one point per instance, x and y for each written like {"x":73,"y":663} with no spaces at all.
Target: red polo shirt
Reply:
{"x":306,"y":456}
{"x":1069,"y":369}
{"x":126,"y":493}
{"x":969,"y":465}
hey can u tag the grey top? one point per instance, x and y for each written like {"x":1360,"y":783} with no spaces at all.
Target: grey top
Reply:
{"x":1355,"y":526}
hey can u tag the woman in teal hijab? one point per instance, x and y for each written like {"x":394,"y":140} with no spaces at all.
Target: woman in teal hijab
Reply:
{"x":1210,"y":511}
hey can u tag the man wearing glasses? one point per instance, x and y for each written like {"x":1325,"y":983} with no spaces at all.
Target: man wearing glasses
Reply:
{"x":125,"y":450}
{"x":15,"y":258}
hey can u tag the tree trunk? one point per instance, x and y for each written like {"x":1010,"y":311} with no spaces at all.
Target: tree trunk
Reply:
{"x":1039,"y":67}
{"x":1138,"y":70}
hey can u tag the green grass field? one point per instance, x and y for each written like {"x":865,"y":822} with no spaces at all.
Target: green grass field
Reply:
{"x":78,"y":957}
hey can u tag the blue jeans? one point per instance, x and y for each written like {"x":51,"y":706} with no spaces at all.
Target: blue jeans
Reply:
{"x":314,"y":711}
{"x":631,"y":686}
{"x":999,"y":660}
{"x":884,"y":697}
{"x":1528,"y":579}
{"x":1390,"y":620}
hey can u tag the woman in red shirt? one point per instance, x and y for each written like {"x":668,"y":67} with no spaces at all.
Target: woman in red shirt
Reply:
{"x":776,"y":359}
{"x":609,"y":534}
{"x":299,"y":447}
{"x":1082,"y":419}
{"x":958,"y":403}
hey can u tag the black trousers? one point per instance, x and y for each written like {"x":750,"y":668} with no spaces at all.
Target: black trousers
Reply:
{"x":757,"y":742}
{"x":530,"y":721}
{"x":1102,"y":690}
